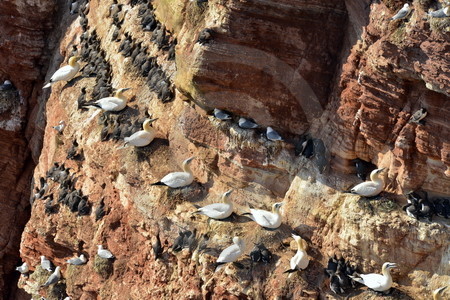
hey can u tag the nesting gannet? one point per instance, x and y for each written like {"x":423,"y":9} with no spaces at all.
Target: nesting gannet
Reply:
{"x":114,"y":103}
{"x":103,"y":253}
{"x":247,"y":124}
{"x":77,"y":260}
{"x":377,"y":282}
{"x":24,"y":268}
{"x":60,"y":127}
{"x":300,"y":260}
{"x":437,"y":294}
{"x":370,"y":188}
{"x":218,"y":210}
{"x":418,"y":116}
{"x":273,"y":135}
{"x":221,"y":114}
{"x":65,"y":73}
{"x":46,"y":264}
{"x":265,"y":218}
{"x":232,"y":253}
{"x":440,"y":13}
{"x":54,"y":278}
{"x":178,"y":179}
{"x":402,"y":12}
{"x":143,"y":137}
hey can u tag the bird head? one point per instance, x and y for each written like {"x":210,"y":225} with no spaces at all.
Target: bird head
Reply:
{"x":388,"y":265}
{"x":228,"y":193}
{"x":276,"y":207}
{"x":437,"y":293}
{"x":238,"y":241}
{"x":73,"y":60}
{"x":188,"y":161}
{"x":100,"y":247}
{"x":147,"y":122}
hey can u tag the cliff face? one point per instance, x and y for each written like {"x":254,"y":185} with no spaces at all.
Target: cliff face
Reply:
{"x":23,"y":25}
{"x":338,"y":72}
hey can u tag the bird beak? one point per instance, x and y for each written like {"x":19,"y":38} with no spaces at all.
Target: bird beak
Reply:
{"x":393,"y":265}
{"x":229,"y":192}
{"x":381,"y":170}
{"x":152,"y":120}
{"x":190,"y":159}
{"x":126,"y":89}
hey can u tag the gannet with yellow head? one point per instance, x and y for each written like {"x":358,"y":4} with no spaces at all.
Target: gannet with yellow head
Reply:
{"x":370,"y":188}
{"x":266,"y":218}
{"x":232,"y":253}
{"x":114,"y":103}
{"x":144,"y":137}
{"x":178,"y":179}
{"x":65,"y":73}
{"x":300,"y":260}
{"x":377,"y":282}
{"x":218,"y":210}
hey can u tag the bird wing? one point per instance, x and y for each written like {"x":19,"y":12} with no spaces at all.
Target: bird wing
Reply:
{"x":111,"y":103}
{"x":140,"y":138}
{"x":177,"y":179}
{"x":105,"y":254}
{"x":215,"y":210}
{"x":230,"y":254}
{"x":401,"y":13}
{"x":75,"y":261}
{"x":368,"y":189}
{"x":51,"y":279}
{"x":62,"y":73}
{"x":263,"y":217}
{"x":373,"y":281}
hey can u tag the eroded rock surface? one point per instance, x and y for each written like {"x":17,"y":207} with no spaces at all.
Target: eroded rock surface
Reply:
{"x":340,"y":72}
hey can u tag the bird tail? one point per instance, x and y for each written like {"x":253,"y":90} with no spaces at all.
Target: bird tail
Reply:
{"x":49,"y":84}
{"x":357,"y":279}
{"x":158,"y":183}
{"x":290,"y":271}
{"x":91,"y":104}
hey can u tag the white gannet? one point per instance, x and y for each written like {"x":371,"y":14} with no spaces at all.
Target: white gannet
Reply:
{"x":24,"y":268}
{"x":114,"y":103}
{"x":300,"y":260}
{"x":65,"y":73}
{"x":266,"y":218}
{"x":370,"y":188}
{"x":46,"y":264}
{"x":221,"y":114}
{"x":402,"y":12}
{"x":77,"y":260}
{"x":437,"y":294}
{"x":232,"y":253}
{"x":377,"y":282}
{"x":142,"y":137}
{"x":103,"y":253}
{"x":273,"y":135}
{"x":178,"y":179}
{"x":218,"y":210}
{"x":54,"y":278}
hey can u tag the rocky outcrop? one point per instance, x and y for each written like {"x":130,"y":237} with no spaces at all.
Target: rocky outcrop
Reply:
{"x":23,"y":27}
{"x":340,"y":73}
